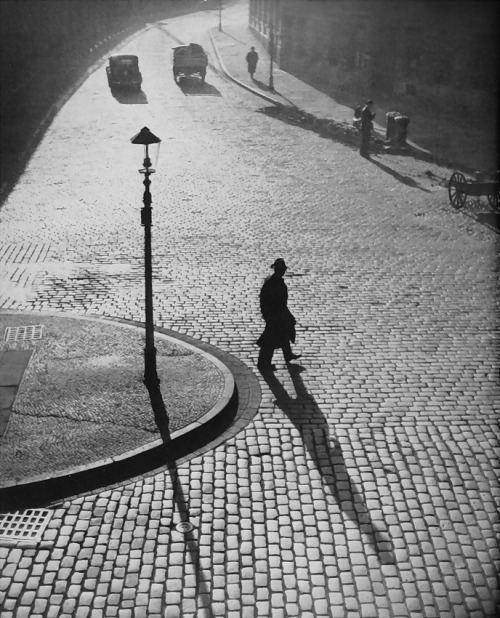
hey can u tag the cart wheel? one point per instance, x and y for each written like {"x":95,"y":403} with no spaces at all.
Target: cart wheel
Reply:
{"x":457,"y":197}
{"x":494,"y":200}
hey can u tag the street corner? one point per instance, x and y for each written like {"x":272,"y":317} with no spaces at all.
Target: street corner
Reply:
{"x":73,"y":399}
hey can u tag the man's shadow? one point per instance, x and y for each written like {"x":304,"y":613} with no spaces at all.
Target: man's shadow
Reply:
{"x":307,"y":417}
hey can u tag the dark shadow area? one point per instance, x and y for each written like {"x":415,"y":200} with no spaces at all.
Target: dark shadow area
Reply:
{"x":180,"y":513}
{"x":128,"y":97}
{"x":180,"y":508}
{"x":407,"y":180}
{"x":411,"y":151}
{"x":349,"y":135}
{"x":194,"y":87}
{"x":313,"y":427}
{"x":489,"y":219}
{"x":263,"y":86}
{"x":160,"y":412}
{"x":266,"y":88}
{"x":324,"y":127}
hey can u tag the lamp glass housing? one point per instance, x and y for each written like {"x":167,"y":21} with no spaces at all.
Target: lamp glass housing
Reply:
{"x":151,"y":145}
{"x":151,"y":155}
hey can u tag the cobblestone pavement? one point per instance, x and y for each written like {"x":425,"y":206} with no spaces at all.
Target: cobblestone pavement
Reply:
{"x":367,"y":486}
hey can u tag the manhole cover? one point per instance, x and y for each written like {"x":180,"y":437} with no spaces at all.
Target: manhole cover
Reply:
{"x":23,"y":333}
{"x":184,"y":527}
{"x":24,"y":526}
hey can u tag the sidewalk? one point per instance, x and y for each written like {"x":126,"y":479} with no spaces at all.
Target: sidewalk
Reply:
{"x":327,"y":116}
{"x":73,"y":402}
{"x":299,"y":104}
{"x":232,"y":45}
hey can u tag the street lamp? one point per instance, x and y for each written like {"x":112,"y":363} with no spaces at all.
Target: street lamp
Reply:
{"x":271,"y":56}
{"x":274,"y":36}
{"x":148,"y":139}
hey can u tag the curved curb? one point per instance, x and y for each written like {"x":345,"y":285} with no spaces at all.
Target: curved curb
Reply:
{"x":185,"y":443}
{"x":237,"y":81}
{"x":379,"y":128}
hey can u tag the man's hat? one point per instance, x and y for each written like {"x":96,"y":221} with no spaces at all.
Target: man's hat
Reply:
{"x":278,"y":262}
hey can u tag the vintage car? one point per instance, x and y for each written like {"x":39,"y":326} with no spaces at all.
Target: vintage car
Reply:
{"x":188,"y":60}
{"x":123,"y":72}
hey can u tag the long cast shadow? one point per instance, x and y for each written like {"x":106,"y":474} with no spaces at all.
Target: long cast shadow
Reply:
{"x":404,"y":179}
{"x":180,"y":507}
{"x":307,"y":417}
{"x":262,"y":85}
{"x":266,"y":88}
{"x":194,"y":87}
{"x":125,"y":97}
{"x":159,"y":411}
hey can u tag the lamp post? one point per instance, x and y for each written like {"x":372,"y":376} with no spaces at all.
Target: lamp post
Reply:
{"x":271,"y":55}
{"x":147,"y":139}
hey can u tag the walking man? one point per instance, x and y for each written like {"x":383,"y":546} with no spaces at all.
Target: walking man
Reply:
{"x":252,"y":59}
{"x":280,"y":323}
{"x":367,"y":116}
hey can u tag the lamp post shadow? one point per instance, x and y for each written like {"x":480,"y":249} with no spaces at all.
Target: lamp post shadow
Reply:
{"x":180,"y":508}
{"x":307,"y":417}
{"x":159,"y":411}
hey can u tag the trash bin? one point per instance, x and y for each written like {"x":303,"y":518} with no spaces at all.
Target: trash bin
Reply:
{"x":401,"y":126}
{"x":391,"y":125}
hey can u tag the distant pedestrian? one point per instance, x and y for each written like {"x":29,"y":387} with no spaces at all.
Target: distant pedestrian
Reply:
{"x":252,"y":59}
{"x":367,"y":116}
{"x":280,"y":323}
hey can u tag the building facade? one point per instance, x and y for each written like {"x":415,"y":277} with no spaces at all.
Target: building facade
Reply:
{"x":442,"y":54}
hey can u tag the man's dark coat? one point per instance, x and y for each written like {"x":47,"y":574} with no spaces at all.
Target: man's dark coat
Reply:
{"x":252,"y":58}
{"x":280,"y":323}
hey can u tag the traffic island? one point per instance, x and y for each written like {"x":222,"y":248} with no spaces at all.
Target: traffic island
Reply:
{"x":80,"y":416}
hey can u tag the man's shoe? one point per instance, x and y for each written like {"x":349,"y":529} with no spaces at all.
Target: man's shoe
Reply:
{"x":293,"y":357}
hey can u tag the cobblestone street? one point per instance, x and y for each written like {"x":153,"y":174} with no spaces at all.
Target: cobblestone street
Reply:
{"x":367,"y":484}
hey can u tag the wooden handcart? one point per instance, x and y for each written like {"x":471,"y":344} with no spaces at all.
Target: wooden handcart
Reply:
{"x":460,"y":188}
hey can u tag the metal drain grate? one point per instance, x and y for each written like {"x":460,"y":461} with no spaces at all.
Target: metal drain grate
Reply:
{"x":23,"y":333}
{"x":24,"y":526}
